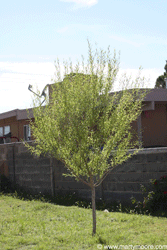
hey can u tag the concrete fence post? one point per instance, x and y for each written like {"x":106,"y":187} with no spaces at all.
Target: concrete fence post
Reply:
{"x":52,"y":176}
{"x":14,"y":166}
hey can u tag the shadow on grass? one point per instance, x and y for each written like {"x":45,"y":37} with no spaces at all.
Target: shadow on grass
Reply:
{"x":72,"y":199}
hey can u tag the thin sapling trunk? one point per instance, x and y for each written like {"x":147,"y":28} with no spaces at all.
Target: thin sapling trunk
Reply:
{"x":93,"y":210}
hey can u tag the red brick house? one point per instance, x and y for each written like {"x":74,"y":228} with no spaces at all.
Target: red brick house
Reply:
{"x":153,"y":120}
{"x":15,"y":122}
{"x":151,"y":126}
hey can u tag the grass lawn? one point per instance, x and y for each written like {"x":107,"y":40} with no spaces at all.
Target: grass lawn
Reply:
{"x":41,"y":225}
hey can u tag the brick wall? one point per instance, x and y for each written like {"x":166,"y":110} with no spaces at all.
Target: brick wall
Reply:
{"x":25,"y":170}
{"x":124,"y":181}
{"x":45,"y":175}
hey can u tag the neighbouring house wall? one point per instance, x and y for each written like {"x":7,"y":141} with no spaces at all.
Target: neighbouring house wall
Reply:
{"x":16,"y":126}
{"x":154,"y":126}
{"x":123,"y":182}
{"x":134,"y":130}
{"x":21,"y":124}
{"x":13,"y":123}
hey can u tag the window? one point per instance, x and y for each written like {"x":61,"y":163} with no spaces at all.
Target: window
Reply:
{"x":6,"y":130}
{"x":7,"y":133}
{"x":27,"y":133}
{"x":1,"y":131}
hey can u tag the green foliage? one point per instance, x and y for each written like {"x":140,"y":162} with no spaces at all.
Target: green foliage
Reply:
{"x":160,"y":82}
{"x":86,"y":125}
{"x":85,"y":122}
{"x":155,"y":197}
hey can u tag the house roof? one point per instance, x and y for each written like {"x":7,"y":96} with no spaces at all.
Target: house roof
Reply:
{"x":20,"y":114}
{"x":154,"y":95}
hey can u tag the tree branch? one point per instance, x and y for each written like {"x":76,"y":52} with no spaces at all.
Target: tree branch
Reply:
{"x":85,"y":182}
{"x":104,"y":176}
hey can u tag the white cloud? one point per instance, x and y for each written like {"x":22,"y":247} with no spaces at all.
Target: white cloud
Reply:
{"x":124,"y":40}
{"x":62,"y":30}
{"x":71,"y":28}
{"x":81,"y":3}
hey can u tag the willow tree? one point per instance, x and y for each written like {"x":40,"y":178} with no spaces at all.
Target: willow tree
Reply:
{"x":84,"y":124}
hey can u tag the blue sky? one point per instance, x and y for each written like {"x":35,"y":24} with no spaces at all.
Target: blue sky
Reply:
{"x":34,"y":33}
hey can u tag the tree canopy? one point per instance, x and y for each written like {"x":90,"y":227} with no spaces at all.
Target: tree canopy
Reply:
{"x":85,"y":124}
{"x":160,"y":82}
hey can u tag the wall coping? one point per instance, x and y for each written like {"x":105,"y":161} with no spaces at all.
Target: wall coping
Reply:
{"x":150,"y":150}
{"x":141,"y":151}
{"x":17,"y":142}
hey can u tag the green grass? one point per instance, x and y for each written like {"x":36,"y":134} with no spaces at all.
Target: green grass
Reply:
{"x":40,"y":225}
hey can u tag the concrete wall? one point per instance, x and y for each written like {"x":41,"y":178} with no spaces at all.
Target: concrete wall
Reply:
{"x":124,"y":181}
{"x":27,"y":171}
{"x":45,"y":175}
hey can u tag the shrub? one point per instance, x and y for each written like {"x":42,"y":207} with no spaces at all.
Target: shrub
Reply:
{"x":155,"y":197}
{"x":5,"y":184}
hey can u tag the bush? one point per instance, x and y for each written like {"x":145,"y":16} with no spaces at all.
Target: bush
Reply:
{"x":5,"y":184}
{"x":155,"y":197}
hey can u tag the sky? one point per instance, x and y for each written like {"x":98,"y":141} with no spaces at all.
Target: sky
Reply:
{"x":33,"y":34}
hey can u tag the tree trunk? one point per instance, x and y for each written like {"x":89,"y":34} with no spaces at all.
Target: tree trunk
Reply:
{"x":93,"y":210}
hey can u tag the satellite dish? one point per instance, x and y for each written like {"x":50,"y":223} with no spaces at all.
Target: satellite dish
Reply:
{"x":30,"y":87}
